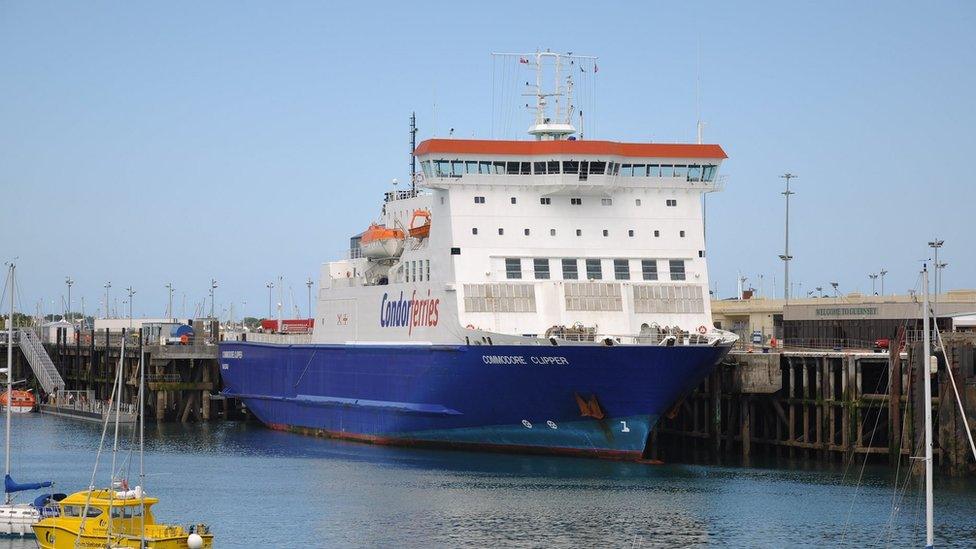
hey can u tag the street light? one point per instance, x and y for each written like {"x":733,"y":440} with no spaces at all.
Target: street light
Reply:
{"x":68,"y":282}
{"x":873,"y":278}
{"x":820,"y":290}
{"x":936,"y":244}
{"x":834,"y":284}
{"x":213,"y":286}
{"x":882,"y":273}
{"x":169,"y":306}
{"x":309,"y":284}
{"x":107,"y":286}
{"x":270,"y":287}
{"x":786,"y":257}
{"x":131,"y":293}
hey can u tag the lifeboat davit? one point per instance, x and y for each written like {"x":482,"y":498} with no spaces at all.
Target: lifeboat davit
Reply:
{"x":381,"y":242}
{"x":22,"y":402}
{"x":422,"y":230}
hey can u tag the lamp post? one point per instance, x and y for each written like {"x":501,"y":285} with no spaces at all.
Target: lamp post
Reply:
{"x":131,"y":293}
{"x":270,"y":287}
{"x":882,"y":274}
{"x":309,"y":284}
{"x":213,"y":286}
{"x":935,"y":244}
{"x":786,"y":257}
{"x":873,"y":277}
{"x":169,"y":306}
{"x":107,"y":286}
{"x":69,"y":283}
{"x":835,"y":284}
{"x":820,"y":290}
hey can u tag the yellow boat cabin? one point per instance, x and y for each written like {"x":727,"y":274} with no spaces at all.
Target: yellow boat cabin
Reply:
{"x":108,"y":518}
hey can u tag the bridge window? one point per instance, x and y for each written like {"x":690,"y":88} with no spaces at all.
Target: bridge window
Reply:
{"x":598,"y":168}
{"x":694,"y":173}
{"x":471,"y":167}
{"x":513,"y":268}
{"x":499,"y":168}
{"x":621,"y":269}
{"x":667,"y":170}
{"x":681,"y":171}
{"x":570,"y":269}
{"x":627,"y":170}
{"x":653,"y":170}
{"x":649,"y":269}
{"x":677,"y":267}
{"x":512,"y":168}
{"x":442,"y":168}
{"x":425,"y":166}
{"x":484,"y":168}
{"x":539,"y":167}
{"x":708,"y":173}
{"x":552,"y":166}
{"x":570,"y":166}
{"x":594,"y":269}
{"x":541,"y":267}
{"x":457,"y":168}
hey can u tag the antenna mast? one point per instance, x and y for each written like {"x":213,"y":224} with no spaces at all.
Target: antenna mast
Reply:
{"x":413,"y":149}
{"x":552,"y":121}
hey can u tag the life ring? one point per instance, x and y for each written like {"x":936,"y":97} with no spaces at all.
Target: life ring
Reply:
{"x":702,"y":330}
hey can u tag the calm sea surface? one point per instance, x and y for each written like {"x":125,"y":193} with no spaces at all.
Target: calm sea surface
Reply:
{"x":260,"y":488}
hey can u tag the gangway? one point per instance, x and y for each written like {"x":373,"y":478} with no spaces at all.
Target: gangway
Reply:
{"x":42,"y":365}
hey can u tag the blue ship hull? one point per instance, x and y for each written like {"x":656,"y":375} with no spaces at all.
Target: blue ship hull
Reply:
{"x":581,"y":400}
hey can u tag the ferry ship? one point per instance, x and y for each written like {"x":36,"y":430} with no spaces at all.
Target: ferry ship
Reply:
{"x":548,"y":295}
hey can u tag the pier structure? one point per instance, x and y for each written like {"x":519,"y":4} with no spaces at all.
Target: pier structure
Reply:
{"x":826,"y":405}
{"x":182,"y":379}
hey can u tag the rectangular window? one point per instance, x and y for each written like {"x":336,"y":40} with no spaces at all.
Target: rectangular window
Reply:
{"x":681,"y":171}
{"x":649,"y":269}
{"x":425,"y":165}
{"x":545,"y":201}
{"x":594,"y":269}
{"x":470,"y":167}
{"x":427,"y":268}
{"x":570,"y":166}
{"x":694,"y":173}
{"x":671,"y":202}
{"x":576,"y":201}
{"x":630,"y":232}
{"x":541,"y":267}
{"x":501,"y":231}
{"x":627,"y":170}
{"x":457,"y":168}
{"x":513,"y":268}
{"x":420,"y":270}
{"x":484,"y":168}
{"x":552,"y":166}
{"x":606,"y":201}
{"x":552,"y":232}
{"x":584,"y":170}
{"x":512,"y":168}
{"x":708,"y":174}
{"x":413,"y":271}
{"x":681,"y":234}
{"x":677,"y":267}
{"x":667,"y":171}
{"x":526,"y":231}
{"x":540,"y":168}
{"x":606,"y":232}
{"x":637,"y":202}
{"x":442,"y":168}
{"x":640,"y":170}
{"x":657,"y":234}
{"x":499,"y":168}
{"x":479,"y":200}
{"x":474,"y":230}
{"x":514,"y":200}
{"x":406,"y":272}
{"x":597,"y":168}
{"x":526,"y":168}
{"x":621,"y":269}
{"x":653,"y":170}
{"x":579,"y":232}
{"x":570,"y":269}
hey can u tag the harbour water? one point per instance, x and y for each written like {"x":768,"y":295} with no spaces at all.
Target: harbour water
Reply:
{"x":260,"y":488}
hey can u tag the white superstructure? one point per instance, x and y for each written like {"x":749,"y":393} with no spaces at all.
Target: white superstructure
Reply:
{"x":533,"y":239}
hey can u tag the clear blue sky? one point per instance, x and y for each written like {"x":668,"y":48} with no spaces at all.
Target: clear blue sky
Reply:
{"x":147,"y":143}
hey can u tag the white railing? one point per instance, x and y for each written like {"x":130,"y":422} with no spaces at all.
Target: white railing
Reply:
{"x":44,"y":369}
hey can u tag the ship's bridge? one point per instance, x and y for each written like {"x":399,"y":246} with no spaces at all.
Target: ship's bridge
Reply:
{"x":569,"y":166}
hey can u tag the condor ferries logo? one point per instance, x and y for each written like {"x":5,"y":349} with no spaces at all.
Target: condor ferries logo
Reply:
{"x":409,"y":313}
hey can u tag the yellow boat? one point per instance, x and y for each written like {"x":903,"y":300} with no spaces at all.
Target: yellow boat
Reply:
{"x":115,"y":520}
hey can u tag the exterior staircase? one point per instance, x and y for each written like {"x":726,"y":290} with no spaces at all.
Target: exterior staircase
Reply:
{"x":42,"y":365}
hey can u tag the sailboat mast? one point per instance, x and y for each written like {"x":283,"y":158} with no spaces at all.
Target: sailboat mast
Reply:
{"x":10,"y":373}
{"x":142,"y":440}
{"x":927,"y":376}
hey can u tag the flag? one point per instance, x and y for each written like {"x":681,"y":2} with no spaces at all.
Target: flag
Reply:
{"x":523,"y":60}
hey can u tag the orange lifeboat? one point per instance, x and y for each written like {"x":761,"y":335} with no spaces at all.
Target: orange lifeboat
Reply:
{"x":422,"y":230}
{"x":22,"y":402}
{"x":381,"y":242}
